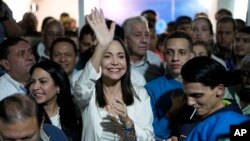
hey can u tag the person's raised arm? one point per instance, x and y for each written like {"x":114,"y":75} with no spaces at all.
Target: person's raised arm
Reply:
{"x":103,"y":35}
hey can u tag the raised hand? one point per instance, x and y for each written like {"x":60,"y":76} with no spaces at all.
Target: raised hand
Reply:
{"x":97,"y":22}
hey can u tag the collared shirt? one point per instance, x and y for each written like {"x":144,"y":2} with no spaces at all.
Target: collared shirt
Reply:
{"x":151,"y":67}
{"x":41,"y":51}
{"x":9,"y":86}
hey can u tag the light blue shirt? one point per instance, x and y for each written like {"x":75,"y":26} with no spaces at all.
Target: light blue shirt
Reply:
{"x":9,"y":86}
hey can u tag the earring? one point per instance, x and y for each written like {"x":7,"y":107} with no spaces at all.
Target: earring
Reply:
{"x":58,"y":92}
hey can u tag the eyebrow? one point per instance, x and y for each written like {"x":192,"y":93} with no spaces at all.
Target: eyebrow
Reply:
{"x":116,"y":53}
{"x":194,"y":94}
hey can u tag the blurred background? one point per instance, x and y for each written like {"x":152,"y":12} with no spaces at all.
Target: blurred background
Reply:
{"x":119,"y":10}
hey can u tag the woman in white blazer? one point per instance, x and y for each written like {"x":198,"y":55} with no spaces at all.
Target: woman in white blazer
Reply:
{"x":112,"y":108}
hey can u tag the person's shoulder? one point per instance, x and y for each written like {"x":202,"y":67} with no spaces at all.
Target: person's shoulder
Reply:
{"x":141,"y":92}
{"x":3,"y":78}
{"x":54,"y":133}
{"x":153,"y":58}
{"x":156,"y":81}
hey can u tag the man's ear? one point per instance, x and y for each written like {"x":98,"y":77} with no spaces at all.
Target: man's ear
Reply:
{"x":95,"y":42}
{"x":192,"y":55}
{"x":220,"y":89}
{"x":5,"y":64}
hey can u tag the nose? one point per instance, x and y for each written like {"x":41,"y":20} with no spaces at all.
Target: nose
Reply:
{"x":223,"y":35}
{"x":190,"y":101}
{"x":34,"y":86}
{"x":62,"y":58}
{"x":114,"y":61}
{"x":175,"y":56}
{"x":30,"y":56}
{"x":145,"y":39}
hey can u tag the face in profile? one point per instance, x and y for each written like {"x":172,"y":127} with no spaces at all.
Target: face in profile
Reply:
{"x":20,"y":59}
{"x":177,"y":53}
{"x":114,"y":64}
{"x":200,"y":50}
{"x":138,"y":39}
{"x":203,"y":98}
{"x":43,"y":87}
{"x":23,"y":130}
{"x":63,"y":54}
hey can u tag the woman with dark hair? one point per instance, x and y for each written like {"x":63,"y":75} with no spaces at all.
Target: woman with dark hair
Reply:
{"x":50,"y":87}
{"x":112,"y":108}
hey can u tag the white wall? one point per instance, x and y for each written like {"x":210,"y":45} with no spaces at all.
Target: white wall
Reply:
{"x":56,"y":7}
{"x":45,"y":8}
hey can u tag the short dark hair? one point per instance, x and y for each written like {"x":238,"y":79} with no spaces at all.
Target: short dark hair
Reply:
{"x":204,"y":70}
{"x":223,"y":10}
{"x":148,"y":11}
{"x":6,"y":44}
{"x":119,"y":32}
{"x":87,"y":30}
{"x":63,"y":39}
{"x":227,"y":19}
{"x":45,"y":21}
{"x":239,"y":23}
{"x":182,"y":20}
{"x":18,"y":107}
{"x":183,"y":35}
{"x":245,"y":30}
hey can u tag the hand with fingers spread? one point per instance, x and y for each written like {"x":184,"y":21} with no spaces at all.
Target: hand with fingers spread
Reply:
{"x":120,"y":109}
{"x":97,"y":22}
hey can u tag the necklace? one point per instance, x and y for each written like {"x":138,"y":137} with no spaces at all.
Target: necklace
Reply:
{"x":55,"y":120}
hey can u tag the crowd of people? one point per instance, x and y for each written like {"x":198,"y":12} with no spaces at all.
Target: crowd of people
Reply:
{"x":123,"y":82}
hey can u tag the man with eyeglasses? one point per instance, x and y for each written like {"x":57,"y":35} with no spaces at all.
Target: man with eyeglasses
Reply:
{"x":51,"y":31}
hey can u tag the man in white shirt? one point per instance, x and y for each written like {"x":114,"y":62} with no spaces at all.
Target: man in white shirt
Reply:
{"x":137,"y":38}
{"x":16,"y":58}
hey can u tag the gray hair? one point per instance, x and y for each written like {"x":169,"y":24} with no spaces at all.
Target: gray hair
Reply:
{"x":130,"y":21}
